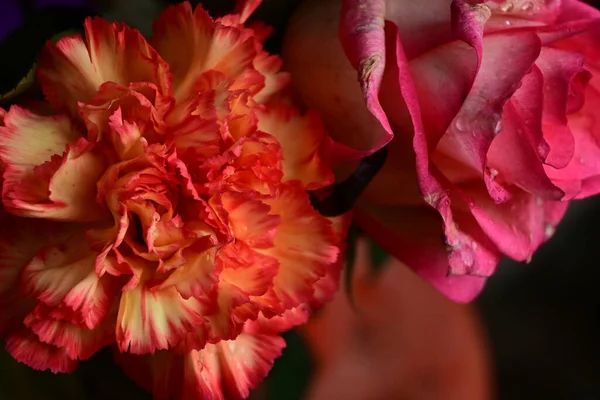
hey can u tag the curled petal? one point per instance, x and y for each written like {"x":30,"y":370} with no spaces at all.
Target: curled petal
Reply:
{"x":363,"y":38}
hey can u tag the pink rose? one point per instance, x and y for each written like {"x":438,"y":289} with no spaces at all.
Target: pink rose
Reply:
{"x":487,"y":109}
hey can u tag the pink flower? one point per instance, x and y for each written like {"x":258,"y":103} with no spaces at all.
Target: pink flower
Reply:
{"x":162,"y":207}
{"x":488,"y":109}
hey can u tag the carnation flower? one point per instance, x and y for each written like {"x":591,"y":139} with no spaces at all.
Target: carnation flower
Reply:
{"x":161,"y":207}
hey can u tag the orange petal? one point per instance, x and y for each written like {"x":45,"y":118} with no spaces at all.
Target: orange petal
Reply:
{"x":245,"y":275}
{"x":73,"y":69}
{"x":24,"y":346}
{"x":245,"y":8}
{"x":151,"y":320}
{"x":300,"y":138}
{"x":197,"y":277}
{"x":113,"y":112}
{"x":276,"y":80}
{"x":192,"y":43}
{"x":326,"y":287}
{"x":250,"y":220}
{"x":305,"y":246}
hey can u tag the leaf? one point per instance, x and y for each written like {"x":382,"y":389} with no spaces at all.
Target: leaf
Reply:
{"x":354,"y":233}
{"x":378,"y":257}
{"x":290,"y":377}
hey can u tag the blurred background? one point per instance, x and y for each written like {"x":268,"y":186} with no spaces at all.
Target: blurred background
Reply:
{"x":542,"y":319}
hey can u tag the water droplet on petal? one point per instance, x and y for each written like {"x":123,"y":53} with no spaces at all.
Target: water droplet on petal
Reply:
{"x":467,"y":259}
{"x":507,"y":22}
{"x":460,"y":124}
{"x":498,"y":126}
{"x":493,"y":173}
{"x":527,"y":6}
{"x":549,"y":230}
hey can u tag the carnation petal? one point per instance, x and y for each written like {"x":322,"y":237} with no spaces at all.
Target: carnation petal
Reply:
{"x":27,"y":348}
{"x":192,"y":43}
{"x":197,"y":277}
{"x":305,"y":245}
{"x":28,"y":140}
{"x":74,"y":69}
{"x":20,"y":240}
{"x":77,"y":342}
{"x":227,"y":370}
{"x":158,"y":319}
{"x":301,"y":138}
{"x":247,"y":360}
{"x":56,"y":270}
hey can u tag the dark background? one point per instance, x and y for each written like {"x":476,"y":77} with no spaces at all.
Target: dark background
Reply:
{"x":543,"y":318}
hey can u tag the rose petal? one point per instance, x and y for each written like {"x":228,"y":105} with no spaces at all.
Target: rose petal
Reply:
{"x":477,"y":123}
{"x":417,"y":245}
{"x":580,"y":178}
{"x":523,"y":167}
{"x":559,"y":69}
{"x":517,"y":227}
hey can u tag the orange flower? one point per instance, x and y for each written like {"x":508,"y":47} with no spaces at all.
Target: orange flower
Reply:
{"x":163,"y":207}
